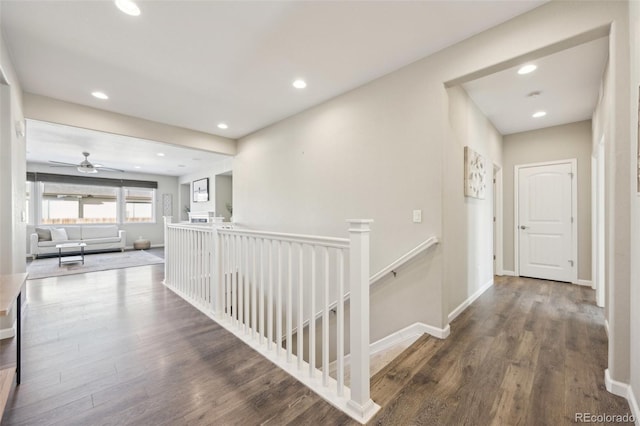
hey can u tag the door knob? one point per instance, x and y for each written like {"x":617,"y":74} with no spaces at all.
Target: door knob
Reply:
{"x":524,"y":227}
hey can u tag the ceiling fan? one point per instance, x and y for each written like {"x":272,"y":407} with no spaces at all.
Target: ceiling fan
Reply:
{"x":85,"y":165}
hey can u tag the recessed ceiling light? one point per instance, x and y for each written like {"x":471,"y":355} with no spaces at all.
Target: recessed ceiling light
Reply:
{"x":526,"y":69}
{"x":128,"y":7}
{"x":160,"y":154}
{"x":539,"y":114}
{"x":223,"y":126}
{"x":100,"y":95}
{"x":136,"y":167}
{"x":299,"y":84}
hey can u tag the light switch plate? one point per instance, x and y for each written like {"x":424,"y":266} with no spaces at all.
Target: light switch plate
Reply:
{"x":417,"y":216}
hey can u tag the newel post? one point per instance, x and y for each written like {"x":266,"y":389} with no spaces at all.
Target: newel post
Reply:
{"x":359,"y":230}
{"x":167,"y":249}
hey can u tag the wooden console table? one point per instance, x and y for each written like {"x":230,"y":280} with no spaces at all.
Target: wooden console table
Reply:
{"x":11,"y":287}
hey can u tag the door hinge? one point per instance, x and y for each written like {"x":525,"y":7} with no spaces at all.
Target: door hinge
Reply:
{"x":494,"y":218}
{"x":494,"y":257}
{"x":571,"y":219}
{"x":571,"y":174}
{"x":571,"y":263}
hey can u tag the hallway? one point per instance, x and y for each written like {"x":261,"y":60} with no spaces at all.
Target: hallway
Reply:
{"x":526,"y":352}
{"x":117,"y":347}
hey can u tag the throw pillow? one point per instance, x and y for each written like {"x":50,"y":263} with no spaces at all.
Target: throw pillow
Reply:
{"x":59,"y":234}
{"x":44,"y":234}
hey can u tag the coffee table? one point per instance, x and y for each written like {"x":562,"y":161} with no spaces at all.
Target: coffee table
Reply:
{"x":74,"y":258}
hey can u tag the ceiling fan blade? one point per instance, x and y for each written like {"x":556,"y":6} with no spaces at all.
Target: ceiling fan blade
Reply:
{"x":108,"y":169}
{"x":60,"y":162}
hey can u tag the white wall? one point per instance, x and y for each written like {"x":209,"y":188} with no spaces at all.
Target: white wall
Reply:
{"x":224,"y":195}
{"x":378,"y":151}
{"x":154,"y":232}
{"x":210,"y":171}
{"x":468,"y":225}
{"x":361,"y":155}
{"x":12,"y":172}
{"x":550,"y":144}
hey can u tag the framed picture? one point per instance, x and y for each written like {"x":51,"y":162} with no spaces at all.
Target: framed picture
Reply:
{"x":475,"y":174}
{"x":200,"y":190}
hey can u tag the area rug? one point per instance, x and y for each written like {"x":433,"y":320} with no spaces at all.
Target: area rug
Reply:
{"x":48,"y":267}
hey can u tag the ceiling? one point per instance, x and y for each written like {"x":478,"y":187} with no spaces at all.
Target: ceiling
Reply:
{"x":195,"y":64}
{"x":568,"y":82}
{"x":47,"y":141}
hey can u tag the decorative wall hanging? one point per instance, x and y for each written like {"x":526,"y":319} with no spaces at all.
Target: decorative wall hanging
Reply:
{"x":201,"y":190}
{"x":475,"y":174}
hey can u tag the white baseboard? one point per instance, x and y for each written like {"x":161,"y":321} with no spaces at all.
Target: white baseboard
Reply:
{"x":8,"y":333}
{"x":633,"y":404}
{"x":411,"y":332}
{"x":624,"y":390}
{"x":615,"y":387}
{"x":440,"y":333}
{"x":606,"y":327}
{"x":508,"y":273}
{"x":586,"y":283}
{"x":464,"y":305}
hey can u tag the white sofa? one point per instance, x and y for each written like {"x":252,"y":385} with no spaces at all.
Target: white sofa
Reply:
{"x":97,"y":237}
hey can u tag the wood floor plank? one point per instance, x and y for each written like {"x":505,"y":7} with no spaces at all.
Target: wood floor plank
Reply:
{"x":117,"y":347}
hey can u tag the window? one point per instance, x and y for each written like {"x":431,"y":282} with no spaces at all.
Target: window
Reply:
{"x":64,"y":203}
{"x":139,"y":204}
{"x":53,"y":199}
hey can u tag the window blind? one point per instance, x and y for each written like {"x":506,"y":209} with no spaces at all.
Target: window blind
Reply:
{"x":87,"y":180}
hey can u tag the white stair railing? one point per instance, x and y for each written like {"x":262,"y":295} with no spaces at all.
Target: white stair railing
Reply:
{"x":265,"y":285}
{"x":189,"y":260}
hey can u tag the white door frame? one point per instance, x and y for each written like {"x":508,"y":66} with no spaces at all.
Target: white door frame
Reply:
{"x":598,"y":222}
{"x":574,"y":204}
{"x":498,"y":203}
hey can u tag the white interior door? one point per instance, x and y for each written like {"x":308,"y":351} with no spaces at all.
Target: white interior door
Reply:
{"x":545,"y":221}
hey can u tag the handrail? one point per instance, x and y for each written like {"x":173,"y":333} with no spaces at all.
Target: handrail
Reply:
{"x":192,"y":226}
{"x":403,"y":259}
{"x":295,"y":238}
{"x":423,"y":246}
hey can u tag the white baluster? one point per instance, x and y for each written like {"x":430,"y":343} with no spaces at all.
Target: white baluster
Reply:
{"x":279,"y":301}
{"x":241,"y":282}
{"x":270,"y":298}
{"x":261,"y":313}
{"x":254,"y":284}
{"x":300,"y":332}
{"x":289,"y":306}
{"x":312,"y":314}
{"x":247,"y":288}
{"x":340,"y":323}
{"x":325,"y":321}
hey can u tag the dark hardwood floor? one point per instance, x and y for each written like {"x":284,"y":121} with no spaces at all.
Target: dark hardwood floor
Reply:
{"x":527,"y":352}
{"x":116,"y":347}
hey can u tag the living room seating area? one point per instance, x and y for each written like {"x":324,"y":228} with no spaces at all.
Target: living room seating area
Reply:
{"x":97,"y":237}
